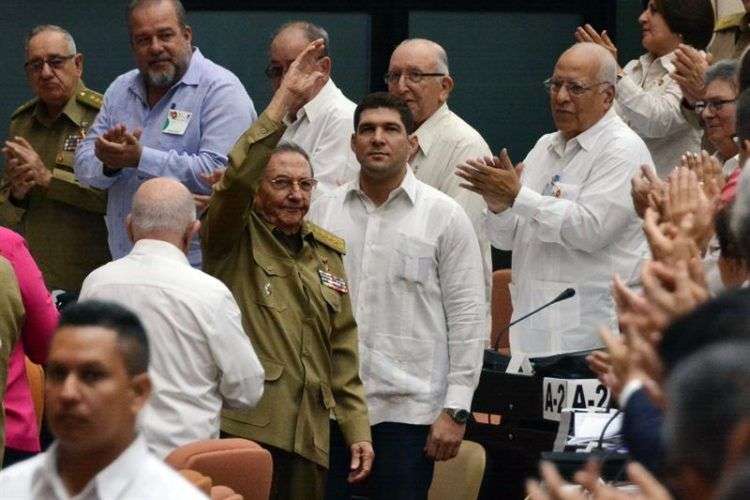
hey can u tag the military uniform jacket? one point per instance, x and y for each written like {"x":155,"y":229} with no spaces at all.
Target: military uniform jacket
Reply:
{"x":11,"y":321}
{"x":302,"y":329}
{"x":64,"y":224}
{"x":731,"y":37}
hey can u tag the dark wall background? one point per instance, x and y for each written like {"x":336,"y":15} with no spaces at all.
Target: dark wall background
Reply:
{"x":498,"y":56}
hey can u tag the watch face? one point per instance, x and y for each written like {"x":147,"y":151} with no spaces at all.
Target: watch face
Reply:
{"x":459,"y":416}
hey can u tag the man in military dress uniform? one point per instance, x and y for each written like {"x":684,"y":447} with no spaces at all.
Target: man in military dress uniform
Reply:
{"x":288,"y":277}
{"x":61,"y":219}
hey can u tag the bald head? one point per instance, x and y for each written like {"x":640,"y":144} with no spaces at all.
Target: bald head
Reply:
{"x":582,"y":88}
{"x":424,"y":61}
{"x":163,"y":209}
{"x":599,"y":60}
{"x":428,"y":49}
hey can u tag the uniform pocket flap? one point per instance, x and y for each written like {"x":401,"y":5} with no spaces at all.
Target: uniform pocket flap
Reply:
{"x":272,"y":370}
{"x":326,"y":396}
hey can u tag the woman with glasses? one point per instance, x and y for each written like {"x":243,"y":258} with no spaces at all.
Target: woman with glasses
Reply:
{"x":718,"y":109}
{"x":648,"y":100}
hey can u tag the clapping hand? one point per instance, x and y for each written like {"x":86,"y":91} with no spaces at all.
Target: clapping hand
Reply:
{"x":496,"y":179}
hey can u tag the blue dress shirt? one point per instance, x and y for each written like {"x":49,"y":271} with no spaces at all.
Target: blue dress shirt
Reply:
{"x":221,"y":111}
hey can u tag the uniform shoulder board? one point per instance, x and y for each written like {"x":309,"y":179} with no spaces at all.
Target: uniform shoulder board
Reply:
{"x":24,"y":107}
{"x":731,"y":21}
{"x":89,"y":98}
{"x":328,"y":239}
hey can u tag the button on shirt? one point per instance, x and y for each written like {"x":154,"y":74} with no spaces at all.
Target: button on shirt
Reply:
{"x":135,"y":474}
{"x":200,"y":355}
{"x":572,"y":225}
{"x":417,"y":288}
{"x":323,"y":128}
{"x":221,"y":111}
{"x":648,"y":100}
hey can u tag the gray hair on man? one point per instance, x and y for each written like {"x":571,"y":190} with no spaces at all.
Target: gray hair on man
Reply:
{"x":726,"y":70}
{"x":441,"y":56}
{"x":310,"y":31}
{"x":162,"y":206}
{"x":42,"y":28}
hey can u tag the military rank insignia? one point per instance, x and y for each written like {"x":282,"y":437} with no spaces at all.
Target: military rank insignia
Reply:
{"x":332,"y":281}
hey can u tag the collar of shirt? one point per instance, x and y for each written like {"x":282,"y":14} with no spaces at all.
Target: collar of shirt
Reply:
{"x":72,"y":109}
{"x":317,"y":106}
{"x":159,"y":248}
{"x":408,"y":186}
{"x":427,"y":132}
{"x":191,"y":77}
{"x":586,"y":139}
{"x":666,"y":61}
{"x":110,"y":482}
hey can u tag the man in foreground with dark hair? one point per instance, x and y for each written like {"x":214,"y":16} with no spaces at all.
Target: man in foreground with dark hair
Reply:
{"x":288,"y":278}
{"x":97,"y":382}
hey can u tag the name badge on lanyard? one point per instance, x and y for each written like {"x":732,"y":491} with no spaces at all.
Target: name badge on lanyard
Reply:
{"x":177,"y":122}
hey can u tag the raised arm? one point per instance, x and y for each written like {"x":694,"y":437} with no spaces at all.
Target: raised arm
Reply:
{"x":233,"y":195}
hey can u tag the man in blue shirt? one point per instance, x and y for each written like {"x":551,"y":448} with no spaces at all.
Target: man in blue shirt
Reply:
{"x":177,"y":116}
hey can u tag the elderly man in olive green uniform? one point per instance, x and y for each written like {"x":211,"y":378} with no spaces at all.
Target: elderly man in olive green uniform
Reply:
{"x":11,"y":322}
{"x":61,"y":219}
{"x":288,"y":277}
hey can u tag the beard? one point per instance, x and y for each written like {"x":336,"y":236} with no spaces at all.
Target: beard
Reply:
{"x":169,"y":76}
{"x":161,"y":79}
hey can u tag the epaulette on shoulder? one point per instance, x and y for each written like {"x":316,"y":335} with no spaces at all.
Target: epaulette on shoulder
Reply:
{"x":24,"y":107}
{"x":731,"y":21}
{"x":328,"y":239}
{"x":90,"y":98}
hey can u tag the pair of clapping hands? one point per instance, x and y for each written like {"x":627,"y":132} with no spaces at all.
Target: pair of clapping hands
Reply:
{"x":495,"y":178}
{"x":690,"y":64}
{"x":680,"y":208}
{"x":24,"y":168}
{"x":592,"y":487}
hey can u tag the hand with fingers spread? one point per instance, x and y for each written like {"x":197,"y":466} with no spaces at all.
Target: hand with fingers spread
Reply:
{"x":587,"y":33}
{"x":685,"y":197}
{"x":673,"y":290}
{"x":301,"y":82}
{"x":555,"y":487}
{"x":643,"y":184}
{"x":690,"y":66}
{"x":667,"y":243}
{"x":495,"y":179}
{"x":119,"y":148}
{"x":634,"y":311}
{"x":649,"y":488}
{"x":361,"y":463}
{"x":444,"y":438}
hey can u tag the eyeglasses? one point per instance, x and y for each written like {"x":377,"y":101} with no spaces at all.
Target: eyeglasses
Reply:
{"x":573,"y":88}
{"x":274,"y":71}
{"x":713,"y":105}
{"x":54,"y":62}
{"x":286,"y":184}
{"x":413,"y":76}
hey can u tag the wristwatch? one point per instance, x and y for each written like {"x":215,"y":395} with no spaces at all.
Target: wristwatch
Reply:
{"x":458,"y":415}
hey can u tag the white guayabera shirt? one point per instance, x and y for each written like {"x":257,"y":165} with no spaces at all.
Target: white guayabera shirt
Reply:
{"x":573,"y":225}
{"x":417,"y":289}
{"x":136,"y":473}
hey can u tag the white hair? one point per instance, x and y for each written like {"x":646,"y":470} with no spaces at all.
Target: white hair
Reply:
{"x":441,"y":57}
{"x":170,"y":212}
{"x":43,"y":28}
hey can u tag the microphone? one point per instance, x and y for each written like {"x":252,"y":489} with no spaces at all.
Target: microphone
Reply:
{"x":564,"y":295}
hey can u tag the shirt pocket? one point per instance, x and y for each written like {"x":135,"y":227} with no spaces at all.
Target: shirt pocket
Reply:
{"x":564,"y":315}
{"x":412,"y":260}
{"x":397,"y":368}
